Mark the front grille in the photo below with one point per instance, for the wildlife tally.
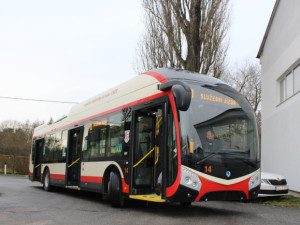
(224, 196)
(278, 182)
(268, 192)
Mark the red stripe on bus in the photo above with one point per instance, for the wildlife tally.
(173, 188)
(104, 113)
(91, 179)
(58, 176)
(157, 76)
(209, 186)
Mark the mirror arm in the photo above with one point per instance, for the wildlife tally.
(168, 85)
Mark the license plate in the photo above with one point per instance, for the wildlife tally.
(280, 188)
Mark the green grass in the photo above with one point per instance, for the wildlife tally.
(13, 174)
(283, 201)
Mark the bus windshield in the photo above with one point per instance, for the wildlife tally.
(219, 132)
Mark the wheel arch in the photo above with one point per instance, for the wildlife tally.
(106, 176)
(44, 171)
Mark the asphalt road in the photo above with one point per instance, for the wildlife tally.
(23, 202)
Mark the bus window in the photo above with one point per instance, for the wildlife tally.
(95, 139)
(116, 134)
(57, 147)
(64, 142)
(102, 144)
(48, 149)
(94, 143)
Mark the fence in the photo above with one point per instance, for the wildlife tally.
(15, 164)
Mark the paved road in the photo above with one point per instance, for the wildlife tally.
(23, 202)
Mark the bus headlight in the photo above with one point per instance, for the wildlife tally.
(189, 179)
(254, 181)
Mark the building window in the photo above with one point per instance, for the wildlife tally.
(290, 84)
(297, 79)
(282, 90)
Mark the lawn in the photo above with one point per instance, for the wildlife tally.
(283, 201)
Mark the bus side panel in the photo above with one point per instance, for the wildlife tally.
(57, 173)
(92, 174)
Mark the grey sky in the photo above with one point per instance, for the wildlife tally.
(71, 50)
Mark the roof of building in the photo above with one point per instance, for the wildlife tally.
(262, 45)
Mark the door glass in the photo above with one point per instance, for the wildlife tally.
(38, 158)
(147, 162)
(172, 152)
(145, 143)
(74, 157)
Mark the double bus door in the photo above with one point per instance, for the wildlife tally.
(148, 151)
(74, 157)
(39, 146)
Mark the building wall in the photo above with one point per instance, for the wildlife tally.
(281, 121)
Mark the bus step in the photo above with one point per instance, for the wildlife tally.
(150, 197)
(73, 187)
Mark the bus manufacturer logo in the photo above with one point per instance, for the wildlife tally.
(126, 138)
(228, 174)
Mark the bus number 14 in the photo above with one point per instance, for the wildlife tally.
(207, 169)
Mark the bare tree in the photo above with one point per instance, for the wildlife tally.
(15, 141)
(51, 121)
(187, 34)
(246, 78)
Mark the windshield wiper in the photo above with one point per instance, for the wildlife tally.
(205, 158)
(248, 162)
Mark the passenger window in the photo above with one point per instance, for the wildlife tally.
(116, 135)
(95, 139)
(49, 149)
(58, 147)
(102, 143)
(64, 142)
(104, 137)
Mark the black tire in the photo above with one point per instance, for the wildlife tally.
(46, 181)
(185, 204)
(115, 190)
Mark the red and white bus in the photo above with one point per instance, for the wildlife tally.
(166, 135)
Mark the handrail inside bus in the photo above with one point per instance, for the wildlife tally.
(144, 157)
(73, 162)
(37, 166)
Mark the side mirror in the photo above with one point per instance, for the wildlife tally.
(182, 97)
(181, 91)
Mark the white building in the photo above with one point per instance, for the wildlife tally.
(279, 56)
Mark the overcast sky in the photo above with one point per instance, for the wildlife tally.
(71, 50)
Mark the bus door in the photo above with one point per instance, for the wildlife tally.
(73, 159)
(148, 151)
(39, 146)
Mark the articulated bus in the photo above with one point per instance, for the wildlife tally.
(167, 135)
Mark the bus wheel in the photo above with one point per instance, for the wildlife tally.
(46, 181)
(115, 190)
